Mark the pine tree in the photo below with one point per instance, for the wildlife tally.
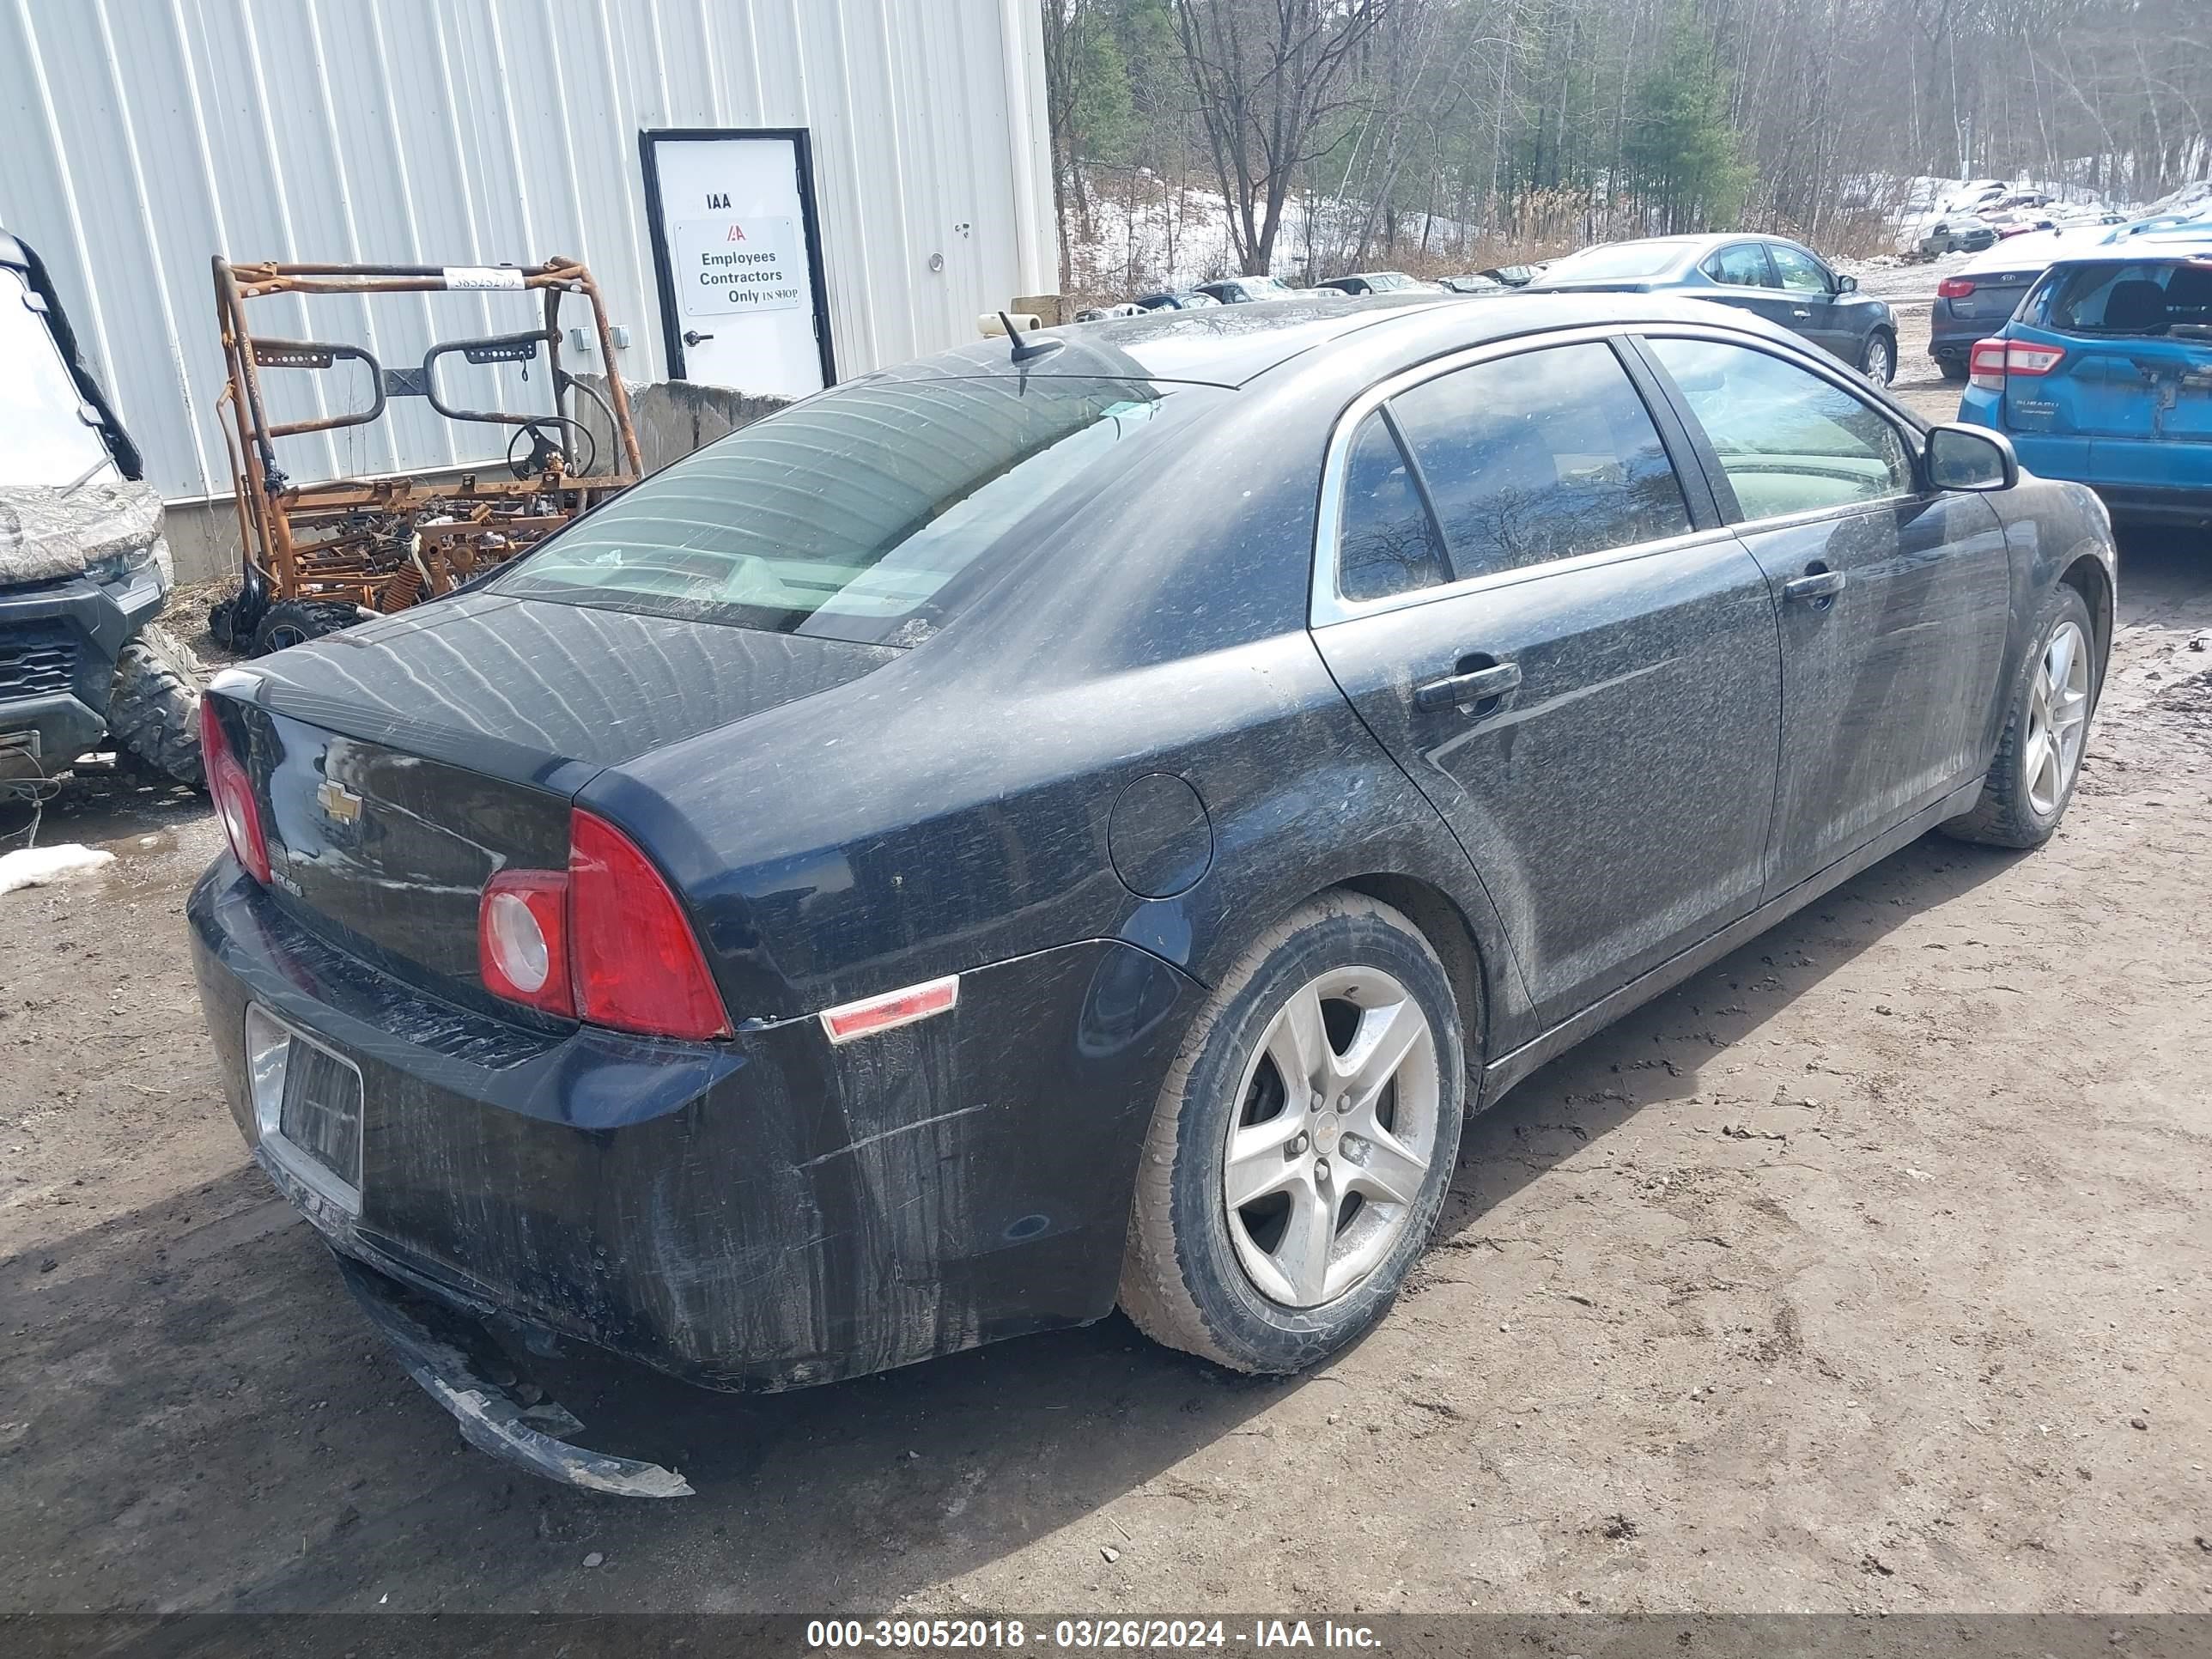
(1681, 153)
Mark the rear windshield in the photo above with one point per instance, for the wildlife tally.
(862, 514)
(1629, 259)
(2139, 296)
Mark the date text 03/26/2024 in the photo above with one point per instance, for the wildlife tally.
(1085, 1635)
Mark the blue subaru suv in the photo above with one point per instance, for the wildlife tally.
(2104, 375)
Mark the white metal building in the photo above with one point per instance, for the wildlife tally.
(898, 149)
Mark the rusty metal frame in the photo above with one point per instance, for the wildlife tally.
(371, 542)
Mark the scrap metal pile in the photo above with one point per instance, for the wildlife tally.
(320, 556)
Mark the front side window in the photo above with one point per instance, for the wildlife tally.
(1743, 265)
(1800, 271)
(866, 513)
(1540, 456)
(44, 438)
(1788, 440)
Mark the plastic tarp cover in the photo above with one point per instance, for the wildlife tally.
(47, 534)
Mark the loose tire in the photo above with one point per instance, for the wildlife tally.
(2048, 708)
(153, 706)
(1337, 1187)
(294, 622)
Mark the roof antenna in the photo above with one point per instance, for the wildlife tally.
(1027, 351)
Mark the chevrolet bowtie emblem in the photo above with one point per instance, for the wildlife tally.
(339, 802)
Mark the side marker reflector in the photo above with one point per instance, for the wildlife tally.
(894, 1008)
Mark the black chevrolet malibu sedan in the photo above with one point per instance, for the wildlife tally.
(1004, 839)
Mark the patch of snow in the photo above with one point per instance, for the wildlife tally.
(35, 867)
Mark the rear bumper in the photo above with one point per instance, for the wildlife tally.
(2115, 468)
(1952, 338)
(2147, 504)
(763, 1214)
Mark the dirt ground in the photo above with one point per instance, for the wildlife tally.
(1868, 1271)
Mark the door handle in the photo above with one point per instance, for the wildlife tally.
(1800, 311)
(1463, 691)
(1815, 586)
(692, 337)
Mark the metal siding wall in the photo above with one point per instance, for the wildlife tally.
(137, 138)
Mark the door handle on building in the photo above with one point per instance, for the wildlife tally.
(692, 337)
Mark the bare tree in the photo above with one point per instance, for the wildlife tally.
(1268, 75)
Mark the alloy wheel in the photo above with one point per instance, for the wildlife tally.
(1880, 367)
(2057, 719)
(1336, 1128)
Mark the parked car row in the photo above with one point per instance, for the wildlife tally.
(1358, 284)
(2102, 374)
(2111, 390)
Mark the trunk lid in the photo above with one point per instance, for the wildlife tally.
(400, 764)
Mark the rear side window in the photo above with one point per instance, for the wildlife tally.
(2145, 297)
(1788, 440)
(1540, 456)
(1389, 542)
(864, 514)
(1743, 265)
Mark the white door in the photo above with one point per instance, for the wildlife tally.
(740, 297)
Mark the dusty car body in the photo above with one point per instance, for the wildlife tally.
(960, 884)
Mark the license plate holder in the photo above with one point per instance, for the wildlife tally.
(307, 1105)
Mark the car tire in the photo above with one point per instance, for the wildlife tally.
(154, 704)
(1199, 1274)
(1955, 369)
(1878, 358)
(294, 622)
(2047, 718)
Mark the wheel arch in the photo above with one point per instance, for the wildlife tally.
(2087, 576)
(1452, 937)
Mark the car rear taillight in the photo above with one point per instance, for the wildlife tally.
(522, 940)
(636, 962)
(1995, 361)
(1986, 368)
(232, 792)
(604, 941)
(1955, 288)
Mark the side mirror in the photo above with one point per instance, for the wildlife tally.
(1970, 458)
(1847, 285)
